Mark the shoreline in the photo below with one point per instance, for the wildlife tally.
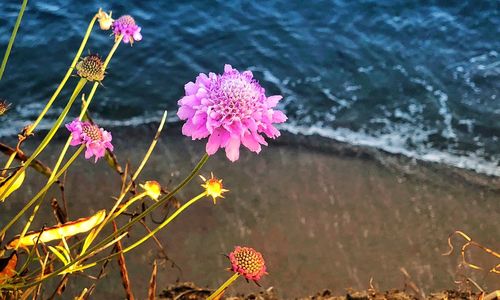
(323, 213)
(319, 143)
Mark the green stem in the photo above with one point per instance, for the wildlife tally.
(160, 227)
(146, 237)
(49, 135)
(160, 202)
(224, 286)
(42, 191)
(111, 215)
(68, 74)
(12, 38)
(108, 239)
(52, 132)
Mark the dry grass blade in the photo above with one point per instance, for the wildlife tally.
(152, 282)
(36, 164)
(123, 267)
(471, 243)
(409, 283)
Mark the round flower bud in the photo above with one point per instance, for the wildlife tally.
(91, 68)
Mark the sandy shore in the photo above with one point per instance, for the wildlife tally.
(324, 215)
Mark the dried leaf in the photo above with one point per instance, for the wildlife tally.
(59, 231)
(152, 282)
(8, 267)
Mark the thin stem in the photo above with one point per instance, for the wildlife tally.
(68, 74)
(49, 135)
(108, 239)
(84, 109)
(42, 191)
(12, 38)
(165, 223)
(42, 145)
(8, 163)
(224, 286)
(111, 215)
(121, 230)
(153, 232)
(160, 202)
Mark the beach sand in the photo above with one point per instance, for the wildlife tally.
(324, 214)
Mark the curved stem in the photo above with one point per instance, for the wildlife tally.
(165, 223)
(108, 239)
(223, 286)
(12, 37)
(77, 90)
(51, 133)
(42, 191)
(111, 215)
(153, 232)
(121, 230)
(160, 202)
(68, 74)
(7, 164)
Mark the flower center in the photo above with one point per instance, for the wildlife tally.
(126, 20)
(91, 68)
(92, 131)
(249, 261)
(235, 97)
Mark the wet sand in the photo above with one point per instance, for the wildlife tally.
(324, 215)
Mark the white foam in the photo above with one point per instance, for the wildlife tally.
(394, 142)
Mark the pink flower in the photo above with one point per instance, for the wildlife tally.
(230, 109)
(247, 262)
(125, 25)
(96, 139)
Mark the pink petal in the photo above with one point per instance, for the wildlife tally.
(200, 117)
(203, 79)
(217, 139)
(185, 112)
(279, 117)
(188, 128)
(248, 74)
(88, 153)
(272, 101)
(235, 128)
(75, 139)
(259, 138)
(189, 100)
(228, 68)
(250, 124)
(250, 142)
(233, 149)
(190, 88)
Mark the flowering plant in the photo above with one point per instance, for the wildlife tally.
(230, 109)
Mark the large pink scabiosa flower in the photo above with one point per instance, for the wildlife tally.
(248, 263)
(230, 109)
(96, 139)
(125, 25)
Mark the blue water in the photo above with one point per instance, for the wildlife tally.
(421, 80)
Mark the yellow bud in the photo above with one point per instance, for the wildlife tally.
(152, 188)
(105, 20)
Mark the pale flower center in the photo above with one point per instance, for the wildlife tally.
(236, 98)
(92, 131)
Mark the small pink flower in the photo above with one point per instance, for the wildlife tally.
(125, 25)
(230, 109)
(96, 139)
(247, 262)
